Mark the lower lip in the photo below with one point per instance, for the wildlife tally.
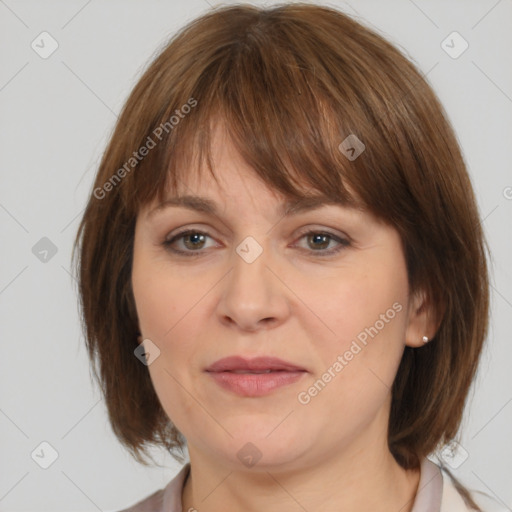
(255, 384)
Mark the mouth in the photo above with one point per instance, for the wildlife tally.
(239, 364)
(254, 377)
(253, 372)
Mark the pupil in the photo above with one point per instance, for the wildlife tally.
(316, 237)
(194, 238)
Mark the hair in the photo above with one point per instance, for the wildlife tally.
(290, 83)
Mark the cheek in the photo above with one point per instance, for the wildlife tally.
(168, 306)
(357, 369)
(157, 306)
(169, 319)
(165, 308)
(366, 316)
(164, 299)
(363, 305)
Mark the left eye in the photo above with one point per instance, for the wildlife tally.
(194, 241)
(321, 240)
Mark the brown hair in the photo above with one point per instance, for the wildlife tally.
(291, 83)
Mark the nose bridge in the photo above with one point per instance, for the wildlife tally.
(250, 274)
(251, 292)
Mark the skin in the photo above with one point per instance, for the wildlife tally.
(331, 453)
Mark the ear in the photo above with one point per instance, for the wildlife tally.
(422, 320)
(139, 338)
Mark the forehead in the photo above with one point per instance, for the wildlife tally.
(208, 179)
(237, 183)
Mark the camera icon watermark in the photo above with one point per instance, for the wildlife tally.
(249, 455)
(44, 455)
(249, 249)
(507, 193)
(352, 147)
(147, 352)
(454, 454)
(454, 45)
(44, 250)
(44, 45)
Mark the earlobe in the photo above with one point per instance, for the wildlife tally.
(422, 325)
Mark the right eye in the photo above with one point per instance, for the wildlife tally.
(192, 239)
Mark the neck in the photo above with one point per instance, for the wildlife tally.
(354, 481)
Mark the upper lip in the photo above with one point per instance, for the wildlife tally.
(234, 363)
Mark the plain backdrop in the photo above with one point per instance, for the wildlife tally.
(56, 114)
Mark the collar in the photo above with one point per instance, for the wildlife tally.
(429, 496)
(430, 488)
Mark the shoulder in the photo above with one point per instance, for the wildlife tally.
(152, 503)
(453, 501)
(163, 500)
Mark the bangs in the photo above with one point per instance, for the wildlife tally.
(282, 116)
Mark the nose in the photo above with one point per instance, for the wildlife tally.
(253, 296)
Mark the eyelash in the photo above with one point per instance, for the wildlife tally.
(343, 243)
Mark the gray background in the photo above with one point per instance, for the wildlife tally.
(56, 115)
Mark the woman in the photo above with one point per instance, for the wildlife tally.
(282, 269)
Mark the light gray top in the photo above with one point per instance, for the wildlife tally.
(436, 493)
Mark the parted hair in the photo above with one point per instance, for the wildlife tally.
(291, 83)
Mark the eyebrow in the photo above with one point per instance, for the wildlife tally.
(289, 207)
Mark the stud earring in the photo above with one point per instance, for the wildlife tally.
(425, 339)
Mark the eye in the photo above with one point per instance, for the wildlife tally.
(320, 240)
(194, 241)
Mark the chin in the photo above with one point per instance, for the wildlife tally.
(260, 446)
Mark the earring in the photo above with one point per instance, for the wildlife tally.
(425, 339)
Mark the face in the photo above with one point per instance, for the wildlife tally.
(324, 290)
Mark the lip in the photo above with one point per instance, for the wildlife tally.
(227, 373)
(238, 363)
